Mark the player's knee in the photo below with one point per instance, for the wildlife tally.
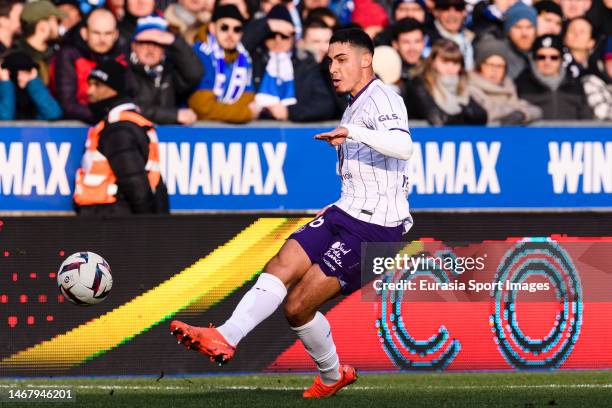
(275, 266)
(282, 269)
(297, 312)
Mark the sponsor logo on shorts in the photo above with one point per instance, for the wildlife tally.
(332, 267)
(336, 251)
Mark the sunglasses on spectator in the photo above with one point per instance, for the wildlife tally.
(281, 35)
(448, 6)
(541, 57)
(236, 29)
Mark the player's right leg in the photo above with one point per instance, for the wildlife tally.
(282, 271)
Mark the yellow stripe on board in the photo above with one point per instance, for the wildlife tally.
(253, 260)
(206, 282)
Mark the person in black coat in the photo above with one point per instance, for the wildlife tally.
(163, 69)
(95, 41)
(439, 93)
(126, 145)
(310, 98)
(547, 84)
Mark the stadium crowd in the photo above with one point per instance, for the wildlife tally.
(453, 61)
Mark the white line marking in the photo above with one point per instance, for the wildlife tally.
(295, 388)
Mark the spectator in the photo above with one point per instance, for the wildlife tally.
(550, 17)
(134, 9)
(494, 91)
(40, 29)
(96, 42)
(598, 88)
(225, 92)
(120, 173)
(371, 16)
(308, 5)
(488, 18)
(520, 29)
(401, 9)
(10, 25)
(288, 84)
(163, 67)
(324, 14)
(409, 41)
(117, 7)
(22, 93)
(71, 15)
(248, 7)
(440, 93)
(574, 8)
(449, 23)
(580, 41)
(266, 6)
(600, 15)
(316, 39)
(186, 16)
(409, 8)
(545, 83)
(316, 36)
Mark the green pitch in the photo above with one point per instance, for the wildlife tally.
(525, 390)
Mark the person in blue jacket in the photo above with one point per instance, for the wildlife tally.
(23, 95)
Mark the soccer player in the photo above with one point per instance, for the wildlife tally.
(322, 259)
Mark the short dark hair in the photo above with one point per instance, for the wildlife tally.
(313, 23)
(6, 6)
(321, 12)
(355, 37)
(406, 25)
(28, 29)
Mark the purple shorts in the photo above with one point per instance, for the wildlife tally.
(333, 241)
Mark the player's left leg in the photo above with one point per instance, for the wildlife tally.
(301, 310)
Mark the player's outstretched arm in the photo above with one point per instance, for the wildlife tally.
(395, 143)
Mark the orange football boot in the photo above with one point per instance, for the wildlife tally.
(206, 340)
(348, 375)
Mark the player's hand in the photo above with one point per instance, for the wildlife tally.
(156, 36)
(335, 137)
(186, 116)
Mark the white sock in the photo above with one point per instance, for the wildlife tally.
(317, 339)
(255, 306)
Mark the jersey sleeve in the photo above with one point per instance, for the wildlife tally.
(385, 112)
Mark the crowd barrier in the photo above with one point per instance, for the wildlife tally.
(196, 267)
(282, 168)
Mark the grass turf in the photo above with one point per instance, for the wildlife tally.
(544, 389)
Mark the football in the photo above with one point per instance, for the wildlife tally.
(85, 278)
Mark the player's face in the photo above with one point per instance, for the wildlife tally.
(346, 65)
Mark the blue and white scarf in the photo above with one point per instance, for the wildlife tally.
(228, 90)
(277, 84)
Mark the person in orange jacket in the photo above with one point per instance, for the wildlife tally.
(120, 172)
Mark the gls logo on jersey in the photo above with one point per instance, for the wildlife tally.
(387, 116)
